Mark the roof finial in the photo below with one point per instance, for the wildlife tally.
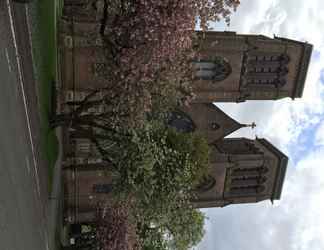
(252, 125)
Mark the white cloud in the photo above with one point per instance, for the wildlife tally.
(291, 224)
(319, 135)
(295, 19)
(283, 121)
(295, 222)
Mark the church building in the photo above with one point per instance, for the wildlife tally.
(232, 68)
(241, 170)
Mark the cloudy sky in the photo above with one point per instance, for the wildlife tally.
(296, 222)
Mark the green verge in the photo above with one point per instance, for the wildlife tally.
(44, 40)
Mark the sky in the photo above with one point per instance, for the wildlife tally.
(295, 127)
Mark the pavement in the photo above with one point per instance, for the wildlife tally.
(28, 215)
(55, 203)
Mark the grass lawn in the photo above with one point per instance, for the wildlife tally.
(43, 19)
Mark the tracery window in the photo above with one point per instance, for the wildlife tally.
(247, 181)
(250, 171)
(181, 122)
(237, 146)
(248, 190)
(206, 184)
(267, 69)
(217, 69)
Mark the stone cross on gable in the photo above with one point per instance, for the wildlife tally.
(252, 125)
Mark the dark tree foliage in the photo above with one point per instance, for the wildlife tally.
(157, 168)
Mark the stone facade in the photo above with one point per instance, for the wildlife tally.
(242, 171)
(255, 67)
(232, 68)
(84, 187)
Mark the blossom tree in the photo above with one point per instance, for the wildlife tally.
(115, 230)
(151, 42)
(149, 51)
(149, 48)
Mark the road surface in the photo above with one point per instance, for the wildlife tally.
(23, 174)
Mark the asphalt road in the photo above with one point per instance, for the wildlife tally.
(23, 176)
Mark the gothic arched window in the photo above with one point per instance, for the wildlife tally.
(206, 184)
(242, 181)
(267, 69)
(249, 171)
(181, 122)
(217, 69)
(246, 191)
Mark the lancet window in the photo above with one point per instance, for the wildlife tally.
(250, 171)
(216, 69)
(237, 147)
(247, 181)
(266, 69)
(248, 190)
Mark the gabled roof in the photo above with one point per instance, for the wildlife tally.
(228, 124)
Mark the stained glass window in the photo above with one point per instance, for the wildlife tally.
(181, 122)
(206, 184)
(217, 69)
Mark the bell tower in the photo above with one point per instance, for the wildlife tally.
(242, 171)
(236, 68)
